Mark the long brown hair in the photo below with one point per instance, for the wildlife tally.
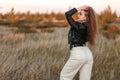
(92, 26)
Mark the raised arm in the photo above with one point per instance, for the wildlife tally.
(69, 18)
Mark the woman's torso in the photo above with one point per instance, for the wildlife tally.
(78, 36)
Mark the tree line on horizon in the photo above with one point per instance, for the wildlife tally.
(107, 19)
(10, 18)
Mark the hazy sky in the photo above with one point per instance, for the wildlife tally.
(56, 5)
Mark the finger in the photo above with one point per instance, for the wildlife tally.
(84, 7)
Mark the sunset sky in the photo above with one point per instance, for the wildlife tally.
(56, 5)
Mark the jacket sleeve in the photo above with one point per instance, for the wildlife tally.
(69, 18)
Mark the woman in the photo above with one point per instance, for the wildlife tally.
(82, 31)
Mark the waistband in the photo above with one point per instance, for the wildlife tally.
(77, 45)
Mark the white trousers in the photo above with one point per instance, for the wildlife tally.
(81, 59)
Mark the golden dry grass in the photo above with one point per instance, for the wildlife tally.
(41, 56)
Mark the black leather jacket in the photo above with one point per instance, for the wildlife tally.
(78, 32)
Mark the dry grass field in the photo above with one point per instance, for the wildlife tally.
(41, 56)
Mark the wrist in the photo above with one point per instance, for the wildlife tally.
(77, 9)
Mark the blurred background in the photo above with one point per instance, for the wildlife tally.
(34, 39)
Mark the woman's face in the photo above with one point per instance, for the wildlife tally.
(82, 16)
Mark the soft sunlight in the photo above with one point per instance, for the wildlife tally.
(55, 5)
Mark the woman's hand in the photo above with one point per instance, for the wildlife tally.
(85, 7)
